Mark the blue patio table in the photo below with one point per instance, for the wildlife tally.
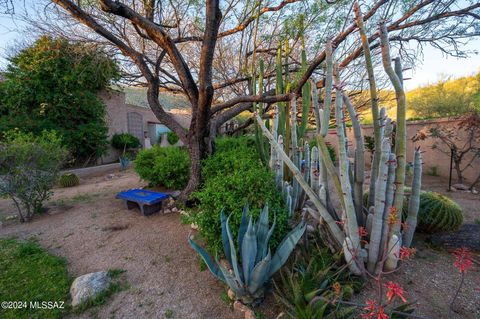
(149, 202)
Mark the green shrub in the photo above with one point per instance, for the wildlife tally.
(125, 141)
(30, 273)
(164, 166)
(54, 85)
(68, 180)
(235, 176)
(172, 138)
(29, 166)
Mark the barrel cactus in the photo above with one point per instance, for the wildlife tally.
(69, 180)
(438, 213)
(253, 267)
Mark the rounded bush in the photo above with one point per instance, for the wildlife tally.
(172, 138)
(125, 141)
(164, 166)
(69, 180)
(232, 177)
(438, 213)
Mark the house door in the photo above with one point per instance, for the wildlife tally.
(135, 125)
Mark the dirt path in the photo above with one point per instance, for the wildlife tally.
(94, 232)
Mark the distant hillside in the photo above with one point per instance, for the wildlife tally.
(138, 96)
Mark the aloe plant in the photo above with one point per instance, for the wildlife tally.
(252, 265)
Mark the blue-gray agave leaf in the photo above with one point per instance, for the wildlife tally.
(249, 251)
(226, 243)
(265, 247)
(243, 227)
(232, 282)
(212, 265)
(233, 253)
(262, 232)
(286, 247)
(259, 274)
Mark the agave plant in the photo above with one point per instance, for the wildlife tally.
(253, 267)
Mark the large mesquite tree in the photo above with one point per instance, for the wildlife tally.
(206, 49)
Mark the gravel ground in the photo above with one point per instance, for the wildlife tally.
(94, 232)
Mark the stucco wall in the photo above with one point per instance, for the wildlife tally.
(116, 117)
(431, 157)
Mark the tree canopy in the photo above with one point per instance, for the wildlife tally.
(53, 85)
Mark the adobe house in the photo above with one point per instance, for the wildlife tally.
(128, 112)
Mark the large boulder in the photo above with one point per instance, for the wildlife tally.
(89, 286)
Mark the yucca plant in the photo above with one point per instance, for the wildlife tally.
(252, 268)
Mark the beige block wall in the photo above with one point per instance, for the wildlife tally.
(116, 117)
(431, 157)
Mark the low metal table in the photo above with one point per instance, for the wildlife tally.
(149, 202)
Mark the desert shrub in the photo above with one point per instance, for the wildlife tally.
(54, 85)
(331, 150)
(172, 138)
(29, 166)
(68, 180)
(438, 213)
(164, 166)
(124, 141)
(234, 176)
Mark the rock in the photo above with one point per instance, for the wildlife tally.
(247, 312)
(460, 187)
(89, 286)
(250, 314)
(194, 226)
(175, 210)
(167, 211)
(231, 294)
(467, 236)
(474, 191)
(281, 315)
(175, 194)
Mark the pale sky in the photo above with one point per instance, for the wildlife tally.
(433, 67)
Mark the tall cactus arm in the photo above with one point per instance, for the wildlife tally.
(316, 107)
(328, 89)
(359, 175)
(373, 100)
(306, 99)
(414, 201)
(393, 252)
(329, 167)
(332, 225)
(378, 221)
(280, 89)
(390, 193)
(350, 216)
(400, 136)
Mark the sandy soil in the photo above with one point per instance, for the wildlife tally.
(94, 232)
